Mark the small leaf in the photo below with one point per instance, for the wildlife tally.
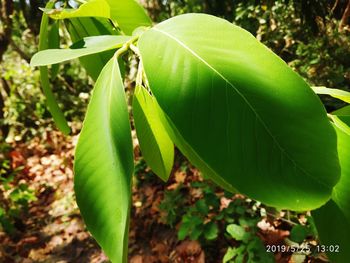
(92, 8)
(335, 93)
(51, 102)
(84, 47)
(237, 232)
(211, 231)
(104, 165)
(155, 144)
(230, 254)
(298, 233)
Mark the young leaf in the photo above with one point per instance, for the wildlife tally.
(92, 8)
(239, 113)
(335, 93)
(104, 165)
(51, 102)
(84, 47)
(155, 143)
(333, 219)
(237, 232)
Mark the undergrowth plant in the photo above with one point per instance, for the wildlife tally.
(245, 119)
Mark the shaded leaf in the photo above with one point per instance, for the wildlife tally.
(155, 143)
(237, 232)
(51, 102)
(333, 219)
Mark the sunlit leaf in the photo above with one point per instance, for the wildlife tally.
(96, 8)
(335, 93)
(155, 143)
(84, 47)
(239, 113)
(104, 165)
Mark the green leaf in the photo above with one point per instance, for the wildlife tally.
(333, 219)
(79, 28)
(128, 15)
(239, 113)
(237, 232)
(343, 114)
(86, 46)
(298, 233)
(104, 165)
(155, 144)
(211, 231)
(335, 93)
(51, 102)
(340, 124)
(54, 42)
(230, 254)
(92, 8)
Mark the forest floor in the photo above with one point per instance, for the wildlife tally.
(51, 230)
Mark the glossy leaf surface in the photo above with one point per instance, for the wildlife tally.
(51, 102)
(156, 145)
(333, 219)
(84, 47)
(104, 164)
(239, 113)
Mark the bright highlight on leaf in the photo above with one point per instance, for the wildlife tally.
(335, 93)
(84, 47)
(239, 113)
(156, 145)
(96, 8)
(104, 165)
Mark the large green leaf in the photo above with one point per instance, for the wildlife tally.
(96, 8)
(81, 27)
(239, 113)
(104, 164)
(333, 219)
(335, 93)
(51, 102)
(155, 144)
(84, 47)
(128, 14)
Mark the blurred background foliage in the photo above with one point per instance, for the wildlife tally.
(312, 36)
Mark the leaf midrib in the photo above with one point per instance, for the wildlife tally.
(244, 98)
